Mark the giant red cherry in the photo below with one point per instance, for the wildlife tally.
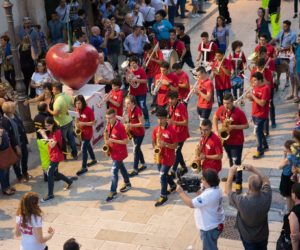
(74, 68)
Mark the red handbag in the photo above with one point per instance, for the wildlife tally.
(8, 157)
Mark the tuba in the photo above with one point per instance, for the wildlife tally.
(224, 131)
(196, 163)
(157, 149)
(105, 147)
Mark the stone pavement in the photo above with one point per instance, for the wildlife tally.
(131, 221)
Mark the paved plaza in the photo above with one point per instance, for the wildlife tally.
(131, 221)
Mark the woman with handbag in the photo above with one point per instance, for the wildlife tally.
(221, 34)
(5, 148)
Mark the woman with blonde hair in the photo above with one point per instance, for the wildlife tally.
(29, 224)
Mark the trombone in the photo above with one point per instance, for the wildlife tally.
(151, 55)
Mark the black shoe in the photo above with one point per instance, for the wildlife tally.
(295, 16)
(126, 187)
(45, 177)
(111, 196)
(47, 198)
(68, 185)
(182, 17)
(172, 189)
(133, 173)
(266, 148)
(141, 168)
(172, 174)
(201, 11)
(81, 171)
(228, 21)
(75, 157)
(92, 163)
(183, 170)
(160, 201)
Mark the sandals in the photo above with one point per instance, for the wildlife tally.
(8, 192)
(290, 97)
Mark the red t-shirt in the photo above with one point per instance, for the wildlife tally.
(271, 65)
(178, 46)
(222, 81)
(167, 135)
(87, 115)
(270, 49)
(261, 92)
(237, 61)
(118, 152)
(162, 93)
(134, 119)
(211, 146)
(179, 114)
(56, 154)
(205, 86)
(267, 76)
(183, 78)
(154, 68)
(117, 95)
(237, 117)
(210, 56)
(142, 88)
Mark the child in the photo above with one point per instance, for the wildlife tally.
(116, 97)
(286, 166)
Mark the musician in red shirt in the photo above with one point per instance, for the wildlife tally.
(115, 100)
(183, 81)
(164, 137)
(210, 152)
(116, 139)
(85, 123)
(262, 42)
(135, 126)
(138, 86)
(260, 98)
(221, 72)
(178, 118)
(238, 66)
(164, 82)
(205, 93)
(206, 50)
(234, 144)
(177, 45)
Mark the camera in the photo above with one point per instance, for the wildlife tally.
(189, 183)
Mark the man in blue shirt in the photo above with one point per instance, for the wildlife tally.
(162, 26)
(286, 37)
(56, 29)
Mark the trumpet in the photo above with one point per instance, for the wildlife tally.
(196, 163)
(186, 100)
(157, 87)
(157, 149)
(242, 96)
(224, 131)
(104, 99)
(105, 147)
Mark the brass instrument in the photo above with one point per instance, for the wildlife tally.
(104, 99)
(77, 130)
(130, 77)
(151, 55)
(105, 147)
(157, 149)
(157, 87)
(224, 131)
(186, 100)
(196, 164)
(126, 120)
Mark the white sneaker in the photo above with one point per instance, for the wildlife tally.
(197, 15)
(193, 15)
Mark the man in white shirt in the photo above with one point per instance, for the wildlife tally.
(148, 13)
(209, 213)
(157, 5)
(104, 73)
(138, 18)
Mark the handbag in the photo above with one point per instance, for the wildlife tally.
(284, 241)
(8, 157)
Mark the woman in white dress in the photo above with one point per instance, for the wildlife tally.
(40, 77)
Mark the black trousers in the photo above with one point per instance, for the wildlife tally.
(223, 9)
(296, 6)
(234, 153)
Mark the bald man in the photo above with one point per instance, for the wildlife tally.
(253, 207)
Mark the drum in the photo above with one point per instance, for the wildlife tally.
(236, 82)
(170, 56)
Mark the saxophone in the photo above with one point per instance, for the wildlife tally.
(127, 121)
(157, 149)
(196, 163)
(224, 131)
(77, 130)
(105, 147)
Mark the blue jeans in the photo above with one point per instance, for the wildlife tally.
(234, 153)
(118, 165)
(22, 163)
(220, 95)
(53, 171)
(210, 238)
(255, 246)
(68, 135)
(165, 179)
(260, 136)
(87, 148)
(223, 47)
(138, 154)
(4, 178)
(172, 13)
(141, 101)
(181, 4)
(179, 157)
